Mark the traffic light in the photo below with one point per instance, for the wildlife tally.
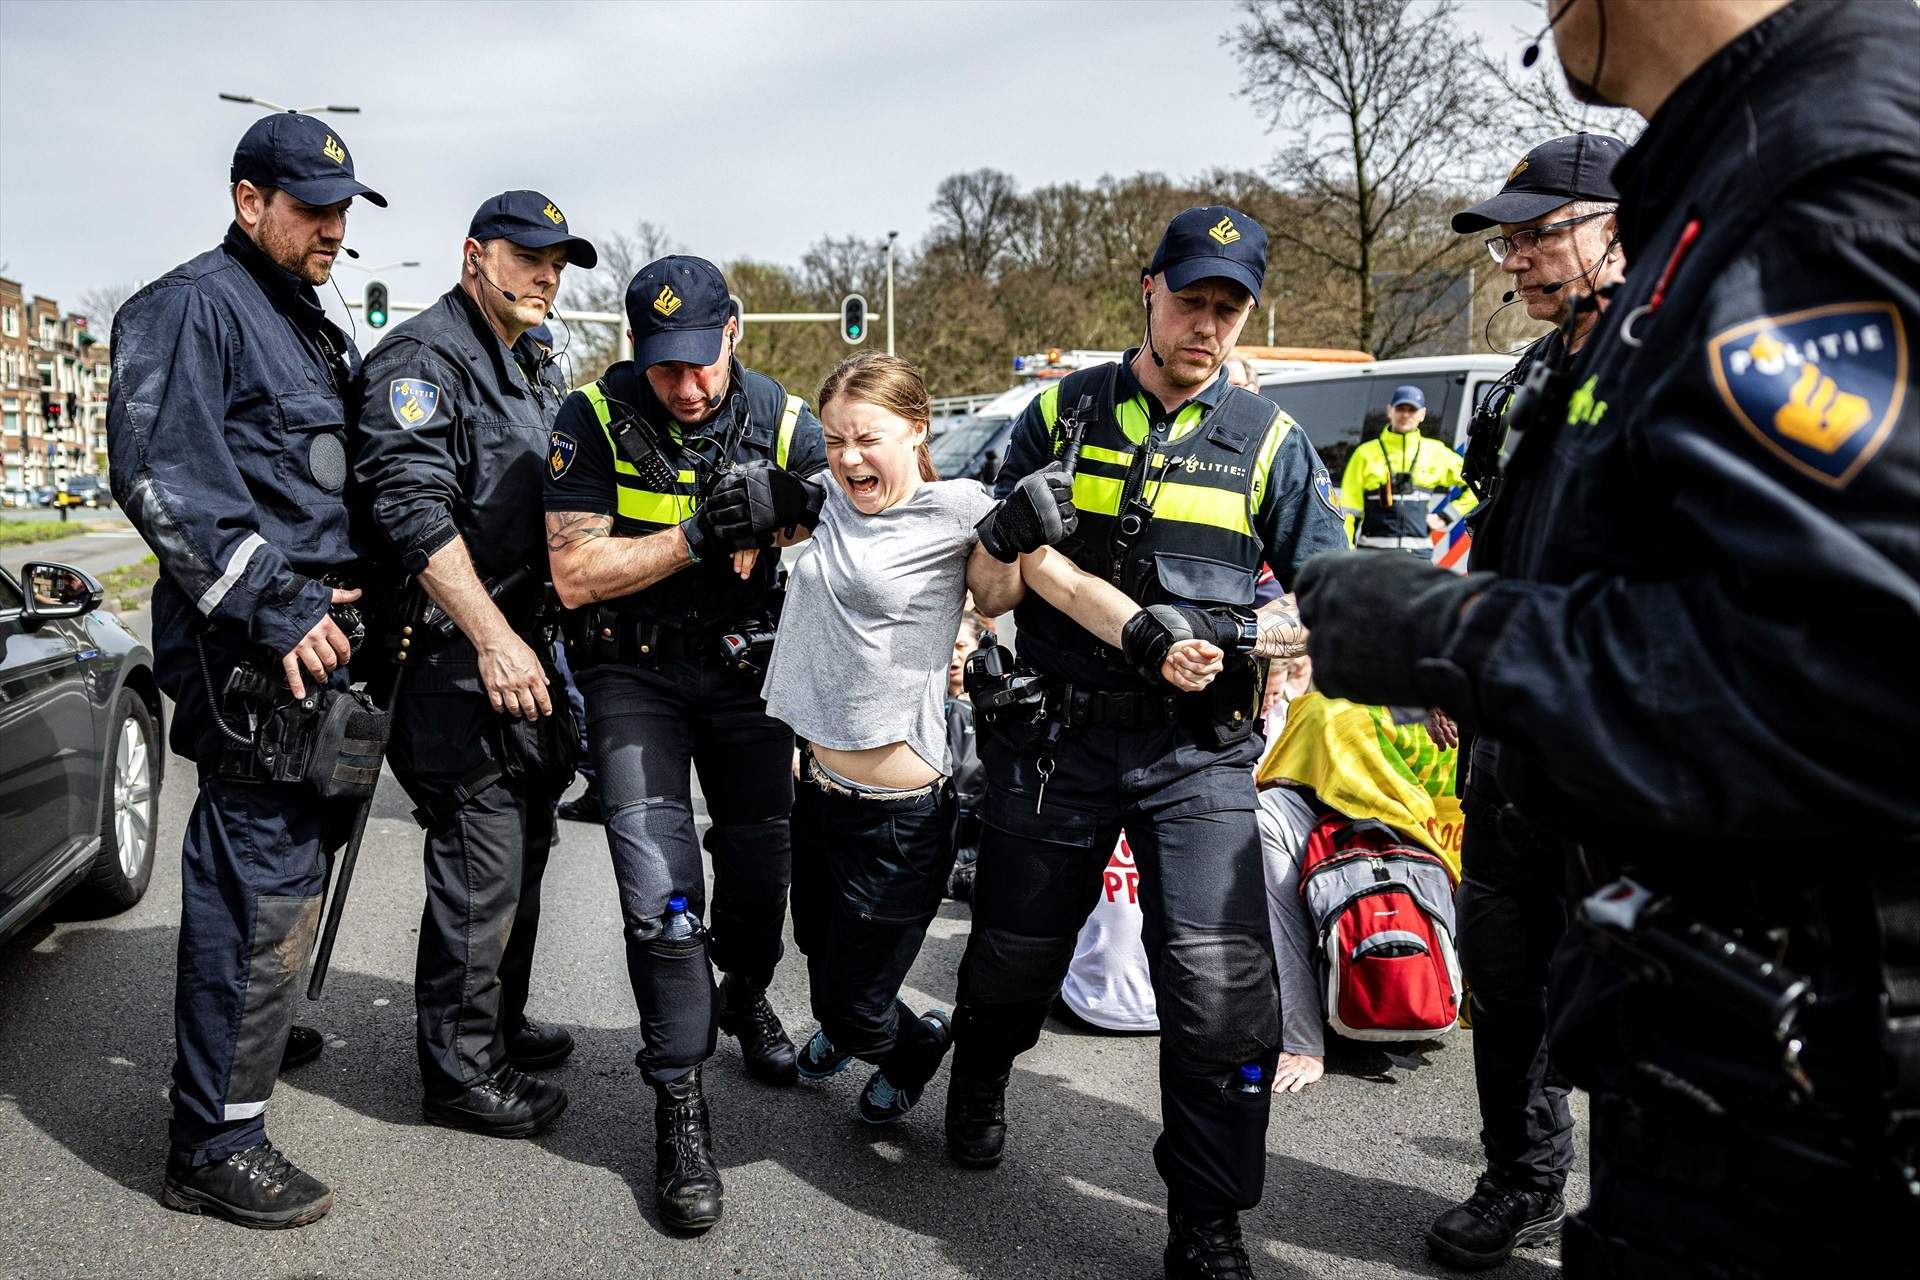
(853, 319)
(377, 304)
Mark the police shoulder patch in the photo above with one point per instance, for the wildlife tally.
(1821, 389)
(413, 401)
(1323, 489)
(560, 453)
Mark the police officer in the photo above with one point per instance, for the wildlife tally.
(1695, 654)
(658, 473)
(226, 428)
(1184, 486)
(1397, 490)
(450, 451)
(1554, 218)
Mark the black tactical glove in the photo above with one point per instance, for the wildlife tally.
(703, 539)
(754, 502)
(1039, 513)
(1148, 634)
(1378, 622)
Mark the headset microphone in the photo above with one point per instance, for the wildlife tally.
(351, 253)
(1532, 54)
(473, 260)
(1147, 302)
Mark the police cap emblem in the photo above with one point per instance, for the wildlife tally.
(1821, 389)
(412, 401)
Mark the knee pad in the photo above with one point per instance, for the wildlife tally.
(1219, 1002)
(1013, 968)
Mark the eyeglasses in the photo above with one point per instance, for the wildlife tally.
(1529, 240)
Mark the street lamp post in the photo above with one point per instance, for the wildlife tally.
(249, 100)
(891, 237)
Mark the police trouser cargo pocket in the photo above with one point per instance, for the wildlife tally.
(869, 873)
(252, 875)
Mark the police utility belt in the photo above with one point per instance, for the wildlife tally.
(1022, 707)
(598, 634)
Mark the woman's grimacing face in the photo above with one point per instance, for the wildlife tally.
(871, 452)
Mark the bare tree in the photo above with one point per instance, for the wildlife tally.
(605, 289)
(1391, 109)
(834, 268)
(100, 305)
(975, 215)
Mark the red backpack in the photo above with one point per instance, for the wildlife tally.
(1384, 909)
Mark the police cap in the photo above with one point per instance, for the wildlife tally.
(678, 309)
(532, 221)
(1558, 171)
(1212, 241)
(302, 157)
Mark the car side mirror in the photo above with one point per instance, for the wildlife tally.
(59, 591)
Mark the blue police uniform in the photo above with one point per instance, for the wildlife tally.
(226, 432)
(1696, 660)
(451, 441)
(1173, 507)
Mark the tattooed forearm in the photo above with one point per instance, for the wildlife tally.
(1282, 634)
(564, 528)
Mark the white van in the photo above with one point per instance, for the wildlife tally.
(1342, 405)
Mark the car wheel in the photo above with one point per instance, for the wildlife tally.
(132, 810)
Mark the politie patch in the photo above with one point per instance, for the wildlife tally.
(560, 454)
(1323, 487)
(1821, 388)
(413, 402)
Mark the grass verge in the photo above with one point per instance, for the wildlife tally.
(129, 586)
(19, 533)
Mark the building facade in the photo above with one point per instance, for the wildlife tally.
(53, 392)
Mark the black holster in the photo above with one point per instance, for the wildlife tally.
(332, 740)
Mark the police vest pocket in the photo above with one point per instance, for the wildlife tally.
(315, 454)
(1203, 581)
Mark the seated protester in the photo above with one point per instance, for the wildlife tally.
(1334, 756)
(969, 780)
(859, 671)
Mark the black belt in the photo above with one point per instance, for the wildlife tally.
(1104, 709)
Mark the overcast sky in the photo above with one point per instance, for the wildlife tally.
(747, 129)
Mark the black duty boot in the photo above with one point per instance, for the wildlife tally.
(1206, 1248)
(976, 1119)
(534, 1046)
(509, 1105)
(747, 1017)
(1495, 1220)
(584, 807)
(686, 1182)
(257, 1187)
(303, 1046)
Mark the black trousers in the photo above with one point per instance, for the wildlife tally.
(1512, 914)
(646, 726)
(868, 876)
(486, 851)
(1189, 813)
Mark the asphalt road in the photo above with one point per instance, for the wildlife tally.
(1359, 1164)
(113, 544)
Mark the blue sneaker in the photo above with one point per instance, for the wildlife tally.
(820, 1060)
(881, 1102)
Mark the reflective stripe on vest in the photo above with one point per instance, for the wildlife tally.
(784, 440)
(633, 500)
(1180, 484)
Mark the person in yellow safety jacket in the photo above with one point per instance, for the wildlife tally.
(1396, 485)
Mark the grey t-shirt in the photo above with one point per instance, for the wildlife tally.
(873, 604)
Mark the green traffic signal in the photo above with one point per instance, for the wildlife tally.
(376, 304)
(853, 318)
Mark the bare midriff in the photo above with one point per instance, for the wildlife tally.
(896, 766)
